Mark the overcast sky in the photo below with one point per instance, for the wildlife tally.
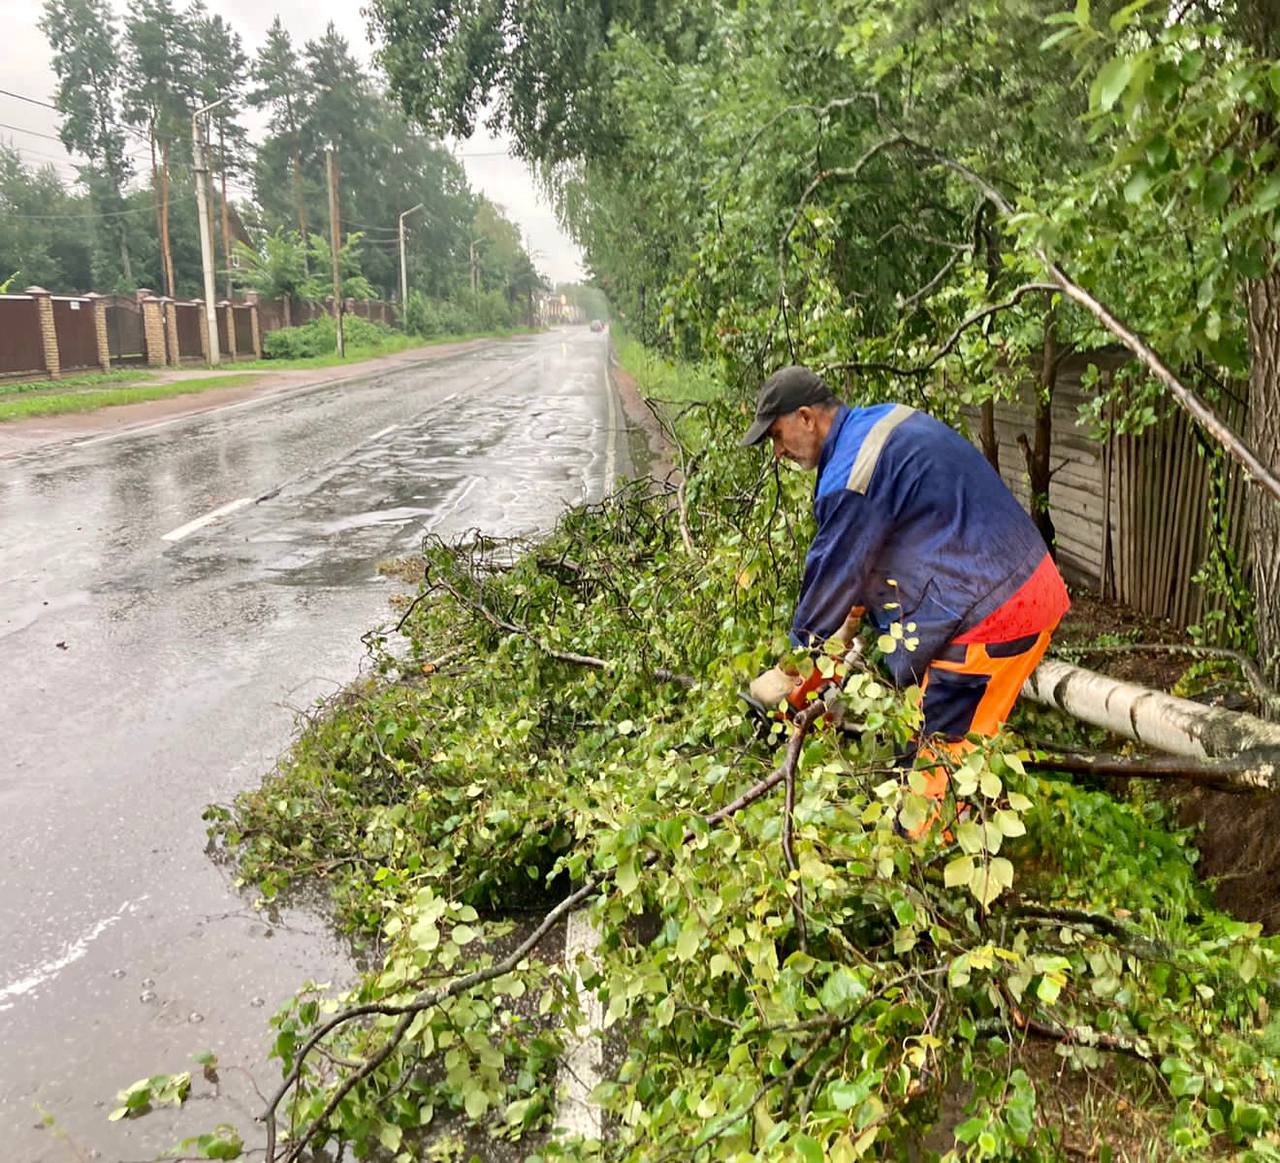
(25, 69)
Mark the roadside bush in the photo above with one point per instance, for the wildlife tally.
(319, 337)
(433, 317)
(492, 311)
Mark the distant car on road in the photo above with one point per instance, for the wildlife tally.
(597, 325)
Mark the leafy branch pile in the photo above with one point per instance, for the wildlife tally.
(783, 976)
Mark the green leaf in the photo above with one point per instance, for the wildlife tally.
(808, 1149)
(1112, 80)
(1136, 188)
(689, 941)
(958, 871)
(1268, 197)
(1216, 192)
(845, 1094)
(425, 935)
(627, 878)
(841, 990)
(969, 836)
(1009, 823)
(390, 1136)
(475, 1103)
(1124, 17)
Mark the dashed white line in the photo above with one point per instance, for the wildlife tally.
(200, 522)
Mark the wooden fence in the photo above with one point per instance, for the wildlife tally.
(1131, 513)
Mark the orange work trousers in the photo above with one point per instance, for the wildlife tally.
(970, 688)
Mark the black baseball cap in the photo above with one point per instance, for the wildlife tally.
(784, 392)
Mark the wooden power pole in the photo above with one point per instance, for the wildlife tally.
(331, 168)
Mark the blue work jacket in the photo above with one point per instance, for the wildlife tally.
(916, 527)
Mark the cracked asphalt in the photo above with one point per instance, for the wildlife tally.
(171, 597)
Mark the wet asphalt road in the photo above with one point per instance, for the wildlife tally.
(142, 678)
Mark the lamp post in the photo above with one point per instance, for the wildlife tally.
(199, 170)
(404, 277)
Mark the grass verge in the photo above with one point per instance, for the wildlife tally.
(89, 380)
(391, 346)
(61, 402)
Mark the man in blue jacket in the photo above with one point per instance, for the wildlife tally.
(914, 528)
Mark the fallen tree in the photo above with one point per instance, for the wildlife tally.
(782, 974)
(1238, 752)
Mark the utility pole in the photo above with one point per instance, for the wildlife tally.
(475, 270)
(331, 168)
(404, 276)
(200, 173)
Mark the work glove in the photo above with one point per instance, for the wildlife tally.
(773, 686)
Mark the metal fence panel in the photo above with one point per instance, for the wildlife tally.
(244, 330)
(190, 318)
(77, 333)
(126, 340)
(270, 315)
(21, 349)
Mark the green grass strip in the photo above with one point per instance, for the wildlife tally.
(61, 402)
(87, 380)
(392, 346)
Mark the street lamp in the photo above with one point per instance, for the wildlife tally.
(404, 277)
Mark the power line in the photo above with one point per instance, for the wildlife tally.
(33, 132)
(138, 133)
(24, 150)
(29, 100)
(103, 214)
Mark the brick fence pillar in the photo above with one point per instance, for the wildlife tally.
(171, 329)
(228, 313)
(254, 329)
(48, 330)
(153, 330)
(204, 332)
(98, 305)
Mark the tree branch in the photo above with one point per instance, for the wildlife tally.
(406, 1013)
(1246, 774)
(1146, 355)
(921, 369)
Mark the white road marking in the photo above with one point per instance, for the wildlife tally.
(208, 519)
(579, 1072)
(384, 431)
(73, 952)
